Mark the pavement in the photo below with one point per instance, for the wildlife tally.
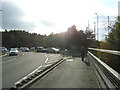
(72, 73)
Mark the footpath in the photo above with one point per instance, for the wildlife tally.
(72, 73)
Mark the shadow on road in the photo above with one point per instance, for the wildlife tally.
(86, 62)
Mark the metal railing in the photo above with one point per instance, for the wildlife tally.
(110, 77)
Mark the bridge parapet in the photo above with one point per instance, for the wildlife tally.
(110, 76)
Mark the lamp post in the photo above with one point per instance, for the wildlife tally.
(97, 27)
(108, 24)
(94, 30)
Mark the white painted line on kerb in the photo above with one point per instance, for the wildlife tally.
(34, 70)
(28, 75)
(52, 61)
(47, 65)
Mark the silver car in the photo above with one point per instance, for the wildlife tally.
(13, 51)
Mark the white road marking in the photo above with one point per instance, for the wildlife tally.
(45, 55)
(28, 74)
(69, 60)
(47, 65)
(35, 70)
(52, 61)
(46, 60)
(23, 54)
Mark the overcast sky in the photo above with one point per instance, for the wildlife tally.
(46, 16)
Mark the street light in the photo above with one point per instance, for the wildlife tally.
(108, 24)
(97, 27)
(95, 30)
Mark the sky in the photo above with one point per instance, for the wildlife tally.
(47, 16)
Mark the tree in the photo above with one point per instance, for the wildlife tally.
(113, 39)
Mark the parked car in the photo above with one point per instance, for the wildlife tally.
(25, 49)
(56, 50)
(32, 48)
(40, 49)
(20, 48)
(53, 50)
(45, 49)
(13, 51)
(3, 49)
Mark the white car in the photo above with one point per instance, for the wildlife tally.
(13, 51)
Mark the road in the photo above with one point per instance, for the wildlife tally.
(15, 68)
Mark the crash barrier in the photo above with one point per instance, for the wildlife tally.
(110, 77)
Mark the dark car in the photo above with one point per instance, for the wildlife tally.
(3, 49)
(25, 49)
(40, 49)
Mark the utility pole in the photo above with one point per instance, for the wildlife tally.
(88, 25)
(94, 30)
(97, 27)
(108, 24)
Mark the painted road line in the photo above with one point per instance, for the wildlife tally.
(53, 61)
(70, 60)
(35, 70)
(45, 55)
(28, 74)
(46, 60)
(47, 65)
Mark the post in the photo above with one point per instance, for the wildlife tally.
(88, 25)
(97, 27)
(108, 24)
(94, 30)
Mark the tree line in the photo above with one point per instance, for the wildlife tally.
(22, 38)
(112, 42)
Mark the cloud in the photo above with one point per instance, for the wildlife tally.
(12, 17)
(46, 16)
(47, 23)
